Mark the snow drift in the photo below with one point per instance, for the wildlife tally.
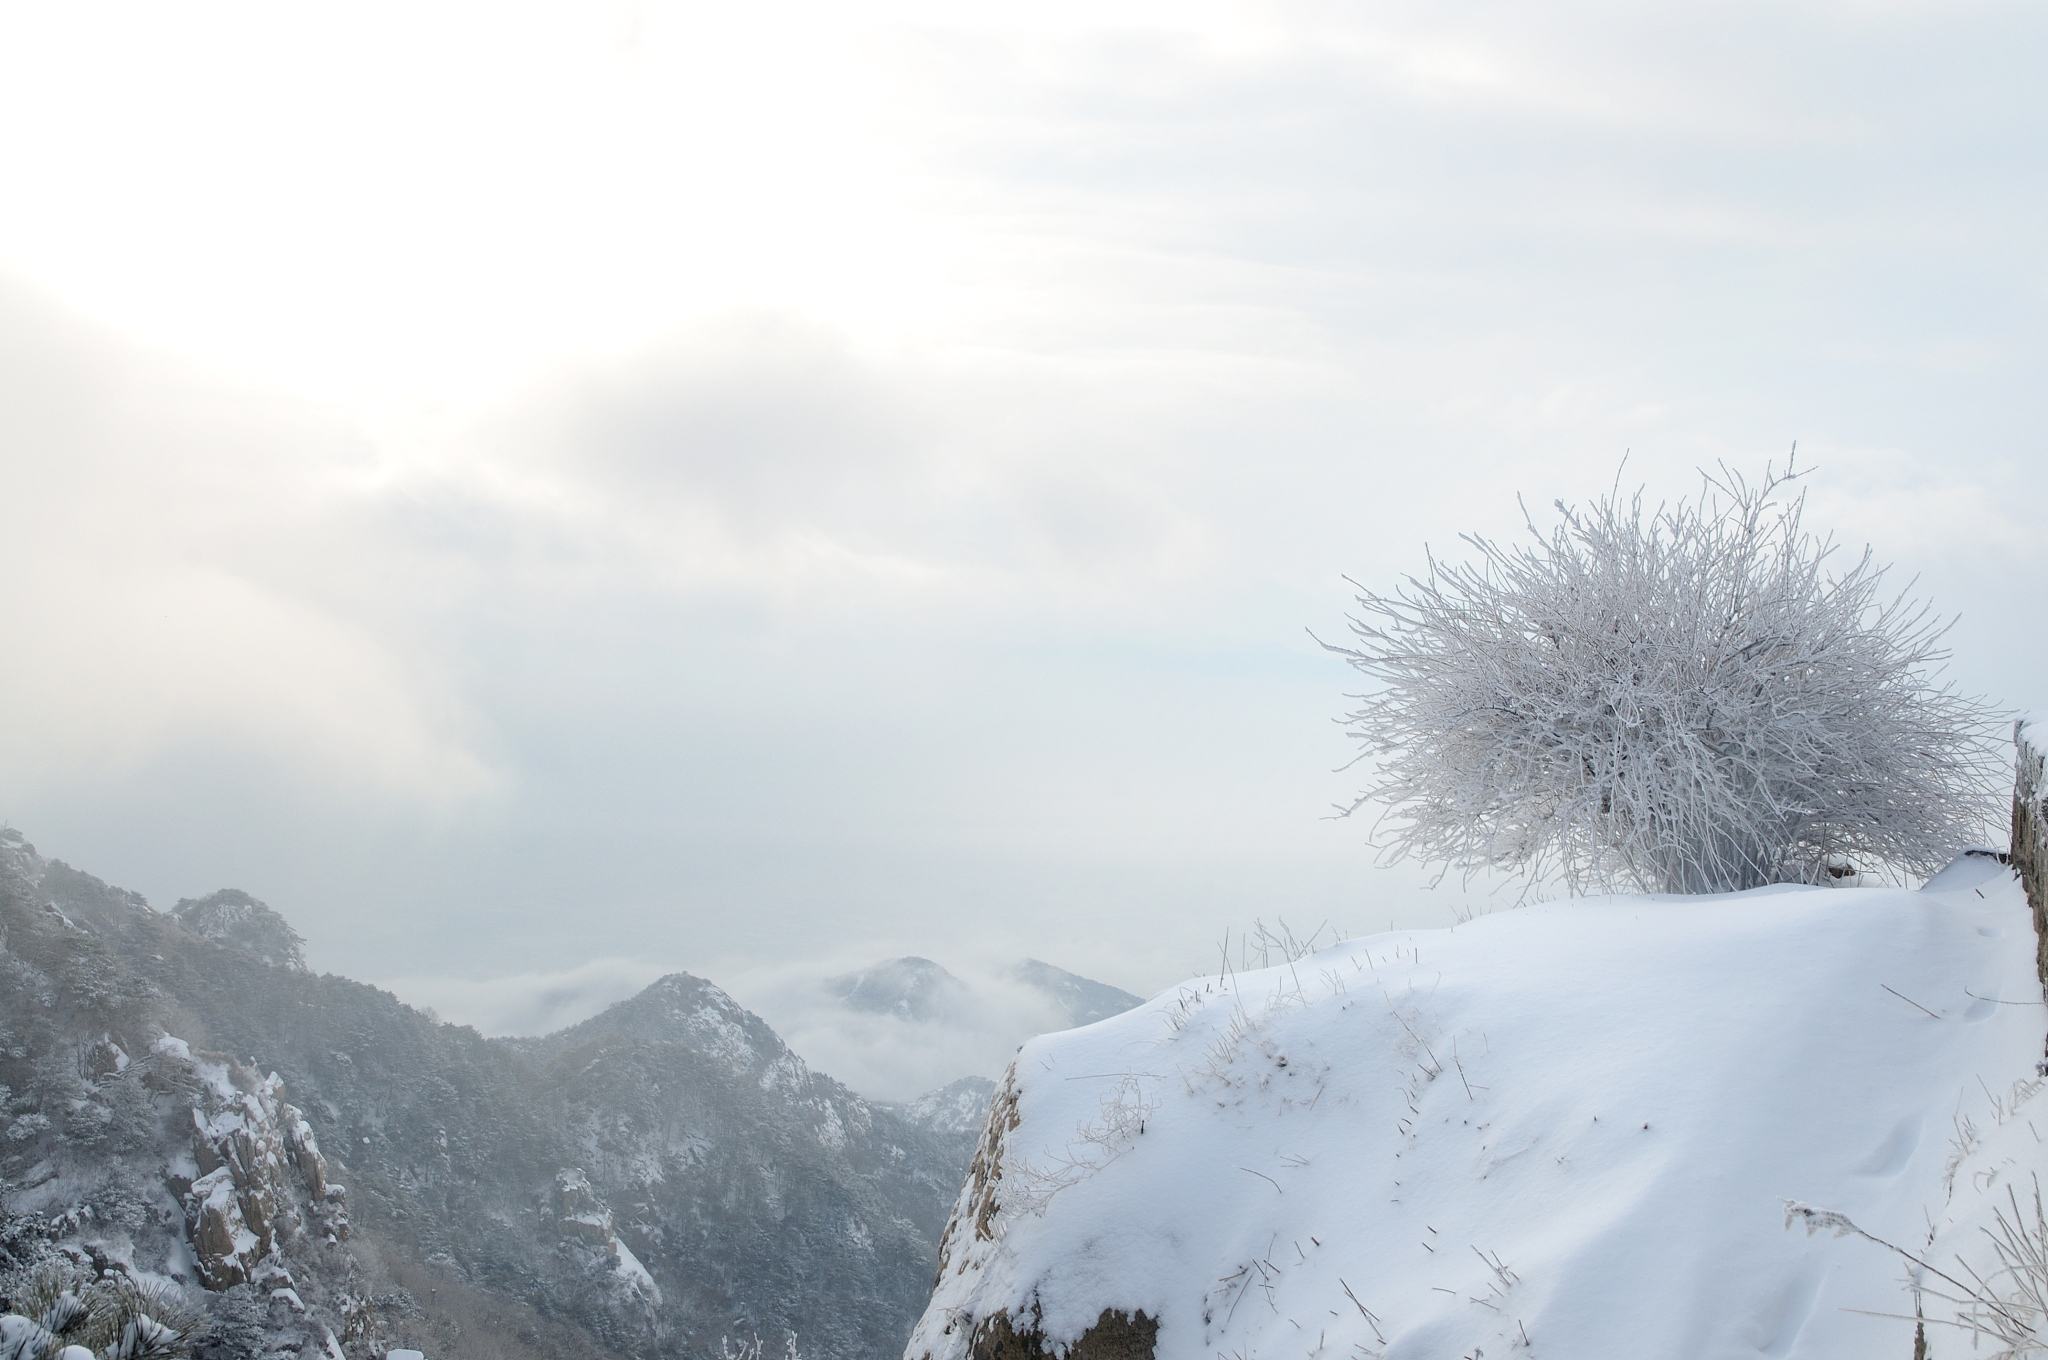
(1568, 1130)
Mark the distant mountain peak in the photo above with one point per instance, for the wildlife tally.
(237, 920)
(957, 1108)
(1083, 999)
(682, 1008)
(908, 988)
(917, 989)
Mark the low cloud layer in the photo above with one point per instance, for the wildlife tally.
(883, 1057)
(888, 1057)
(527, 1004)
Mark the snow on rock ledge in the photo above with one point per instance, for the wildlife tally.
(248, 1147)
(580, 1214)
(1563, 1131)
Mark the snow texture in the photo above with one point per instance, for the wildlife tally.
(1566, 1130)
(1981, 1273)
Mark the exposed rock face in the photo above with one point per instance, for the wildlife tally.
(979, 1199)
(582, 1216)
(578, 1213)
(261, 1175)
(2030, 825)
(1115, 1336)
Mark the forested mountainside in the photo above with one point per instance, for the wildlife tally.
(652, 1182)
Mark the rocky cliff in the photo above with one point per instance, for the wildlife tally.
(184, 1103)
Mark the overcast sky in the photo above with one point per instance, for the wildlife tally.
(595, 489)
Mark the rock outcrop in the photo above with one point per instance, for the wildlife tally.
(261, 1176)
(2030, 824)
(1115, 1336)
(583, 1217)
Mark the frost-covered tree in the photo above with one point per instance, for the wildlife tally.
(1687, 699)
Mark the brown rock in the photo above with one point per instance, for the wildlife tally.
(1116, 1335)
(984, 1176)
(2030, 835)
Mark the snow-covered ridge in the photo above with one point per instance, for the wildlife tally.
(1566, 1130)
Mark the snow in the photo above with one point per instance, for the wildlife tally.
(630, 1270)
(215, 1190)
(214, 1075)
(1696, 697)
(1996, 1185)
(1575, 1123)
(831, 1128)
(956, 1107)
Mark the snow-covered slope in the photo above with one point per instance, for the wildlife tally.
(1983, 1270)
(1568, 1128)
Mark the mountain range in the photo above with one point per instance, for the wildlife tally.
(666, 1178)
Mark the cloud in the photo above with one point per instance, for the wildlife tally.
(737, 482)
(886, 1057)
(764, 458)
(528, 1003)
(167, 536)
(880, 1056)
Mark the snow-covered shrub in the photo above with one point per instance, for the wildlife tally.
(1697, 698)
(113, 1318)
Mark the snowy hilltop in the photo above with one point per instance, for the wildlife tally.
(1570, 1130)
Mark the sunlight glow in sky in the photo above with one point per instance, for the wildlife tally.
(516, 487)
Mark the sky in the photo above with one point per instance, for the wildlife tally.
(546, 495)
